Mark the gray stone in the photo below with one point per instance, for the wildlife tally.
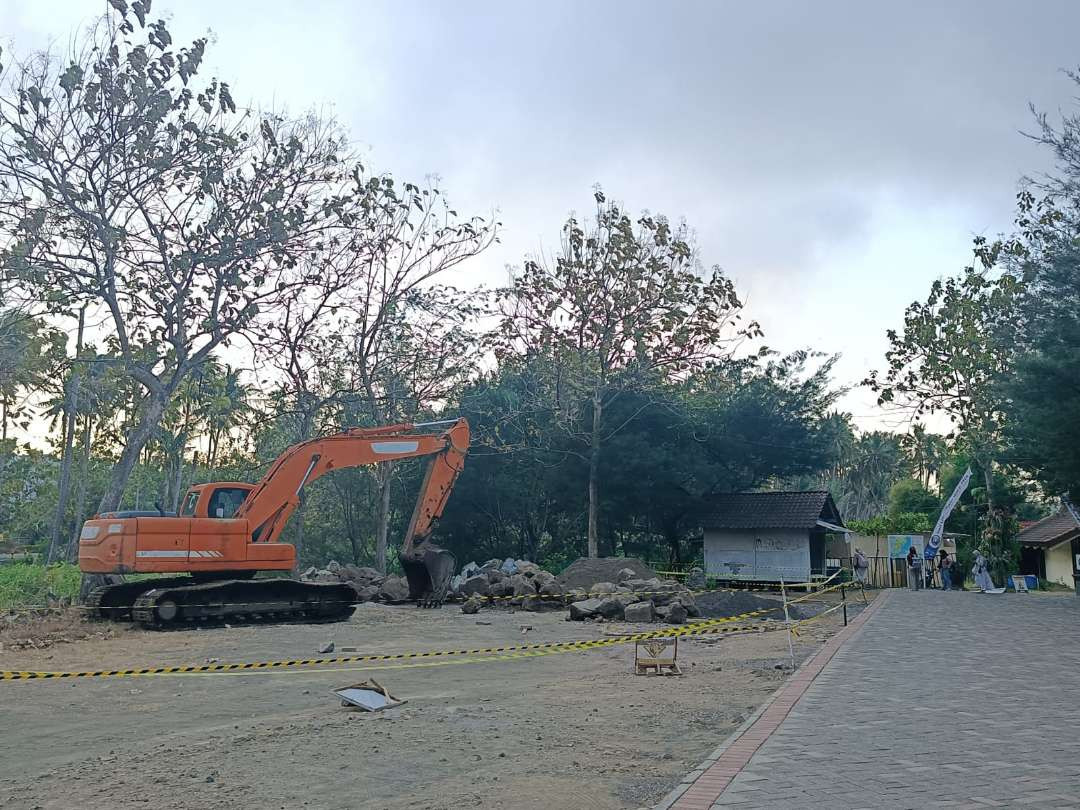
(664, 592)
(333, 566)
(639, 585)
(676, 614)
(363, 574)
(625, 574)
(509, 567)
(496, 576)
(328, 647)
(639, 612)
(325, 576)
(365, 593)
(394, 589)
(522, 586)
(610, 608)
(602, 588)
(477, 585)
(541, 578)
(551, 588)
(309, 573)
(584, 609)
(687, 601)
(491, 565)
(470, 569)
(527, 568)
(471, 606)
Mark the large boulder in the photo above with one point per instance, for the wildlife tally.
(551, 588)
(522, 586)
(585, 609)
(471, 606)
(527, 568)
(509, 567)
(496, 576)
(365, 593)
(476, 585)
(394, 589)
(639, 612)
(333, 566)
(325, 576)
(356, 573)
(625, 574)
(676, 614)
(491, 565)
(610, 608)
(687, 601)
(602, 589)
(664, 592)
(470, 569)
(541, 578)
(309, 574)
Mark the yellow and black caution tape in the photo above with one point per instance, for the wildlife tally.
(708, 626)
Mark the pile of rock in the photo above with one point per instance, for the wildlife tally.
(633, 599)
(369, 584)
(517, 583)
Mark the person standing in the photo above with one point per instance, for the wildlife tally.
(914, 569)
(945, 567)
(982, 574)
(862, 566)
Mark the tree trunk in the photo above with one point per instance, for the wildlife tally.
(80, 492)
(594, 470)
(71, 406)
(385, 474)
(149, 418)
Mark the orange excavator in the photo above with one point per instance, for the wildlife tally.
(225, 533)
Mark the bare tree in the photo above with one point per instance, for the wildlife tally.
(125, 189)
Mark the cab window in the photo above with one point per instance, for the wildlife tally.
(190, 502)
(225, 501)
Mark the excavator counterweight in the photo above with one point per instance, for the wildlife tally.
(227, 532)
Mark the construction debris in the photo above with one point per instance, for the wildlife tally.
(370, 696)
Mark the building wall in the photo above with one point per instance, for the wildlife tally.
(761, 554)
(1059, 564)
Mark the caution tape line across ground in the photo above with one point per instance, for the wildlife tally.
(708, 626)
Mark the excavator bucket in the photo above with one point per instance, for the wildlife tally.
(429, 575)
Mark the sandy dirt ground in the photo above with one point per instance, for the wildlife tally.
(571, 730)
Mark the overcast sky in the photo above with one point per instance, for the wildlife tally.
(833, 157)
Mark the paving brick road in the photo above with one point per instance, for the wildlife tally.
(939, 700)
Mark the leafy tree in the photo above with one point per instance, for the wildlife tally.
(952, 350)
(125, 189)
(621, 306)
(909, 496)
(1043, 393)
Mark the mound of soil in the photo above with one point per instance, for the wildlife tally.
(721, 604)
(585, 572)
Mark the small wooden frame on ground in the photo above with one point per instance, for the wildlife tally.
(657, 655)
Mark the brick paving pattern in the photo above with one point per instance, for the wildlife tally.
(938, 700)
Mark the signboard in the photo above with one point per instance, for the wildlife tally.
(900, 544)
(1020, 584)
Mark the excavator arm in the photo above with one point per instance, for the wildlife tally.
(273, 500)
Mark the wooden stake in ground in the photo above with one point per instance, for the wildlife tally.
(787, 622)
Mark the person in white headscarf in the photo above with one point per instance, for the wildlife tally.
(982, 576)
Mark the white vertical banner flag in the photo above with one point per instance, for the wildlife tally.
(935, 539)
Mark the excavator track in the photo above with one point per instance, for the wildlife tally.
(243, 601)
(114, 602)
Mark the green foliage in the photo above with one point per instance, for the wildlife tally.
(1044, 391)
(910, 496)
(893, 523)
(30, 584)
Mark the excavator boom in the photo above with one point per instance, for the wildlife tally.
(230, 531)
